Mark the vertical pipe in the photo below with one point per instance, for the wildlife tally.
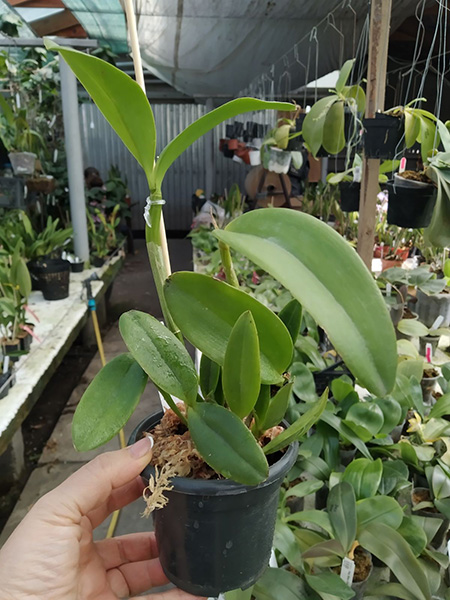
(72, 139)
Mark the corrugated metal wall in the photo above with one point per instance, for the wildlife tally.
(102, 148)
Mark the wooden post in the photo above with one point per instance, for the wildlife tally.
(380, 17)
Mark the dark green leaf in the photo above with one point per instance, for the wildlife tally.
(379, 509)
(279, 583)
(277, 407)
(392, 413)
(291, 315)
(330, 584)
(226, 444)
(304, 386)
(364, 475)
(162, 356)
(395, 473)
(206, 310)
(337, 424)
(366, 414)
(304, 488)
(209, 376)
(341, 508)
(284, 541)
(413, 533)
(108, 403)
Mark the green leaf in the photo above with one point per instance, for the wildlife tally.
(366, 414)
(333, 131)
(437, 233)
(412, 327)
(226, 444)
(393, 589)
(262, 406)
(119, 98)
(304, 386)
(317, 517)
(162, 356)
(392, 413)
(304, 255)
(304, 488)
(411, 368)
(330, 584)
(206, 310)
(343, 429)
(328, 548)
(241, 366)
(378, 509)
(239, 594)
(291, 315)
(278, 406)
(364, 475)
(300, 427)
(279, 583)
(341, 388)
(285, 542)
(358, 94)
(412, 128)
(443, 507)
(390, 547)
(341, 508)
(20, 275)
(395, 473)
(209, 376)
(344, 74)
(441, 408)
(204, 124)
(313, 125)
(108, 403)
(413, 533)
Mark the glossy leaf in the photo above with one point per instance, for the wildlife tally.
(277, 407)
(395, 474)
(279, 583)
(304, 386)
(333, 131)
(317, 517)
(304, 488)
(119, 98)
(412, 327)
(330, 584)
(300, 427)
(412, 128)
(291, 315)
(344, 74)
(337, 424)
(390, 547)
(341, 508)
(328, 548)
(437, 233)
(392, 413)
(204, 124)
(305, 255)
(206, 310)
(262, 406)
(366, 414)
(364, 475)
(341, 388)
(241, 367)
(441, 408)
(378, 509)
(214, 430)
(162, 356)
(413, 533)
(108, 403)
(209, 376)
(313, 125)
(285, 542)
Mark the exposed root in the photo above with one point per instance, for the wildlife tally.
(157, 485)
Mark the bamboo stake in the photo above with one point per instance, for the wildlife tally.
(139, 72)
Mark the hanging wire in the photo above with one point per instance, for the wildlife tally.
(332, 24)
(420, 37)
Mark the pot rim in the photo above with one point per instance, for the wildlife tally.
(215, 487)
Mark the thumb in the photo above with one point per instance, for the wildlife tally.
(93, 484)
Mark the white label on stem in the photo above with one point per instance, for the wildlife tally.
(55, 155)
(437, 322)
(347, 571)
(357, 174)
(428, 352)
(388, 289)
(5, 364)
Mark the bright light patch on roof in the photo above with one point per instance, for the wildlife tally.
(35, 14)
(326, 82)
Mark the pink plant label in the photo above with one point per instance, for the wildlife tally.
(402, 168)
(428, 353)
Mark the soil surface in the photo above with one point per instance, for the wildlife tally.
(408, 314)
(363, 564)
(419, 495)
(416, 176)
(430, 373)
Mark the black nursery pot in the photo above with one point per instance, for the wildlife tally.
(35, 268)
(77, 267)
(382, 136)
(216, 535)
(350, 192)
(54, 278)
(410, 207)
(97, 261)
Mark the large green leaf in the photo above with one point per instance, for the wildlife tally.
(209, 376)
(331, 282)
(395, 474)
(344, 74)
(206, 310)
(379, 509)
(317, 517)
(412, 327)
(120, 99)
(194, 131)
(413, 533)
(108, 402)
(304, 385)
(330, 584)
(277, 407)
(341, 508)
(162, 356)
(366, 414)
(241, 367)
(313, 125)
(333, 130)
(364, 475)
(390, 547)
(226, 444)
(392, 413)
(343, 429)
(300, 427)
(285, 542)
(291, 315)
(279, 583)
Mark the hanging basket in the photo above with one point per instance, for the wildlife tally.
(382, 136)
(409, 205)
(350, 192)
(276, 160)
(23, 163)
(41, 185)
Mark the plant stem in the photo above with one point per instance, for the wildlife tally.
(227, 263)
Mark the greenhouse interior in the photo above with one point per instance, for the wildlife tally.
(224, 299)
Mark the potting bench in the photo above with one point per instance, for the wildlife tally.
(60, 322)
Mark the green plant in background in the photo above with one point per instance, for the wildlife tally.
(15, 287)
(220, 320)
(324, 125)
(387, 166)
(102, 230)
(15, 131)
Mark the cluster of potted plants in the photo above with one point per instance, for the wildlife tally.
(243, 144)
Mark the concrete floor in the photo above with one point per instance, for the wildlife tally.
(133, 288)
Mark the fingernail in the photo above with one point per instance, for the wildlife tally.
(142, 447)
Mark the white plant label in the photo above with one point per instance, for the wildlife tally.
(428, 352)
(357, 174)
(437, 322)
(5, 364)
(347, 571)
(448, 547)
(388, 289)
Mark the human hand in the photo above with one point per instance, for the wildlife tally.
(52, 556)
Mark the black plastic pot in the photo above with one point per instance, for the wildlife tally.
(323, 379)
(382, 136)
(34, 268)
(350, 192)
(10, 349)
(54, 278)
(216, 535)
(77, 267)
(5, 385)
(410, 207)
(25, 342)
(97, 261)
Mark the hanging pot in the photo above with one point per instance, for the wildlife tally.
(255, 157)
(382, 136)
(349, 195)
(23, 163)
(276, 160)
(410, 206)
(54, 278)
(216, 535)
(41, 185)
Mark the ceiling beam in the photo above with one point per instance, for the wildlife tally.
(53, 24)
(36, 3)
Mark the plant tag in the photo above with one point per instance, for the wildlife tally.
(5, 364)
(357, 174)
(402, 168)
(55, 155)
(437, 322)
(428, 352)
(448, 547)
(388, 289)
(18, 104)
(347, 571)
(52, 122)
